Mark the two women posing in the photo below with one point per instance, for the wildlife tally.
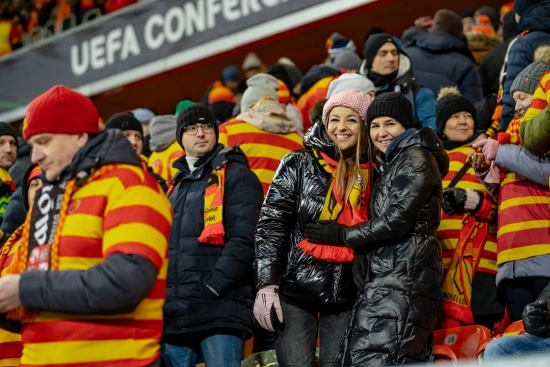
(326, 221)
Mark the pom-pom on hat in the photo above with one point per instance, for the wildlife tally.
(354, 99)
(219, 93)
(394, 105)
(449, 102)
(60, 110)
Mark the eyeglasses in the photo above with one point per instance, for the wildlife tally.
(194, 129)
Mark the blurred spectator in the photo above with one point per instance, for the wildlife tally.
(252, 65)
(347, 61)
(491, 13)
(467, 16)
(220, 102)
(144, 116)
(442, 59)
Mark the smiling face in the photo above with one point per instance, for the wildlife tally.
(459, 127)
(386, 60)
(343, 128)
(523, 101)
(383, 130)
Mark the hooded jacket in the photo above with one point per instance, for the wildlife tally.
(534, 29)
(392, 322)
(111, 264)
(209, 286)
(294, 199)
(422, 99)
(442, 60)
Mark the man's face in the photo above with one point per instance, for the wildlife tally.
(8, 151)
(53, 152)
(135, 138)
(197, 142)
(386, 60)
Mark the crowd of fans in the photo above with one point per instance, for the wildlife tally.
(377, 198)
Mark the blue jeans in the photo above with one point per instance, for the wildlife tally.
(219, 350)
(296, 338)
(517, 345)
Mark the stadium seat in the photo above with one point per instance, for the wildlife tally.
(463, 341)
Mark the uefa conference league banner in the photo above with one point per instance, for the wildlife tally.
(129, 38)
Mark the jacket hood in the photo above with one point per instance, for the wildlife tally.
(316, 73)
(268, 115)
(317, 138)
(109, 147)
(425, 139)
(441, 42)
(537, 18)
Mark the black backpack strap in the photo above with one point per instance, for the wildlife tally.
(460, 174)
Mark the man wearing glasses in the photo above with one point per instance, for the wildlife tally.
(216, 200)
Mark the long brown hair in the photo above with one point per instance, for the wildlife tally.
(349, 165)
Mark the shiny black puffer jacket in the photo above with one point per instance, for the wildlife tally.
(295, 198)
(392, 322)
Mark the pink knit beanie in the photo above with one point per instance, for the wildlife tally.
(352, 98)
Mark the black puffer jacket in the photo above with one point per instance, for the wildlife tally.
(392, 322)
(294, 199)
(197, 271)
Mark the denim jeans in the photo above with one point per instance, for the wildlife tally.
(296, 338)
(517, 345)
(217, 350)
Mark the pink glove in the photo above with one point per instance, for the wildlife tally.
(267, 307)
(490, 148)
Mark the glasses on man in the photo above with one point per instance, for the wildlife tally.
(194, 129)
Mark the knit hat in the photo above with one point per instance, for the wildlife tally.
(7, 129)
(220, 92)
(449, 102)
(528, 80)
(467, 13)
(251, 61)
(258, 86)
(36, 172)
(182, 105)
(373, 44)
(350, 81)
(394, 105)
(283, 93)
(341, 45)
(521, 6)
(231, 73)
(354, 99)
(491, 13)
(143, 114)
(197, 113)
(449, 22)
(124, 121)
(347, 60)
(60, 110)
(483, 26)
(290, 75)
(163, 132)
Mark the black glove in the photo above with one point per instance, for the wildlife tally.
(536, 319)
(359, 271)
(326, 232)
(454, 199)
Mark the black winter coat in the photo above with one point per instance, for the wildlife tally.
(295, 198)
(393, 319)
(197, 270)
(441, 60)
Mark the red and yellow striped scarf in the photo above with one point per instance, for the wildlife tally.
(349, 213)
(214, 232)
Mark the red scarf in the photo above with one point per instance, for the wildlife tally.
(353, 211)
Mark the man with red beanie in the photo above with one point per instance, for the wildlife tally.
(88, 281)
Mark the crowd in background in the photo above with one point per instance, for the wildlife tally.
(405, 189)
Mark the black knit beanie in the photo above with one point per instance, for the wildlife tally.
(448, 106)
(394, 105)
(124, 121)
(197, 113)
(7, 129)
(373, 44)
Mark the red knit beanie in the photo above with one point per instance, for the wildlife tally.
(60, 110)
